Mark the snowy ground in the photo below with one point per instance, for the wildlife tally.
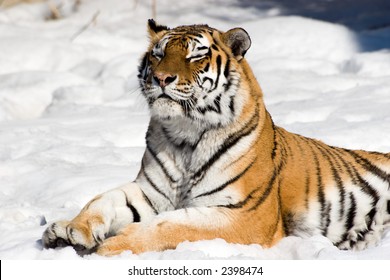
(72, 120)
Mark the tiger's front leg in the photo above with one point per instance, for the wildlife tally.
(102, 217)
(168, 229)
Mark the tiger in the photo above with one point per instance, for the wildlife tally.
(216, 166)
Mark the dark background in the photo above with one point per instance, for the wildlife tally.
(369, 19)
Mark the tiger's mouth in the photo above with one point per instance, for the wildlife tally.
(171, 103)
(167, 99)
(166, 96)
(166, 108)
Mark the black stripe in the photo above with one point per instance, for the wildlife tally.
(368, 189)
(351, 170)
(219, 66)
(370, 167)
(207, 79)
(196, 56)
(279, 215)
(155, 187)
(142, 66)
(206, 68)
(364, 185)
(154, 155)
(298, 140)
(227, 69)
(370, 217)
(349, 223)
(149, 203)
(213, 46)
(196, 78)
(201, 48)
(227, 85)
(328, 208)
(69, 235)
(136, 216)
(208, 54)
(230, 181)
(217, 103)
(231, 80)
(335, 174)
(339, 182)
(275, 143)
(231, 105)
(266, 193)
(240, 204)
(230, 141)
(268, 189)
(282, 143)
(351, 213)
(206, 109)
(320, 193)
(289, 223)
(356, 178)
(307, 189)
(97, 239)
(286, 146)
(379, 154)
(193, 147)
(274, 228)
(209, 108)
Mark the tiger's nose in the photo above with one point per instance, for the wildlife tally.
(163, 79)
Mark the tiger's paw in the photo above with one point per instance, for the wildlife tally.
(114, 246)
(83, 237)
(130, 239)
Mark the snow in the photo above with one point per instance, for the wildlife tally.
(72, 120)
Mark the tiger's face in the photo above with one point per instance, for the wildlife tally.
(192, 72)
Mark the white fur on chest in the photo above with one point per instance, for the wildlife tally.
(180, 170)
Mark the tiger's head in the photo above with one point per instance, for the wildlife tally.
(193, 72)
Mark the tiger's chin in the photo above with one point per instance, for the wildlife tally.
(166, 109)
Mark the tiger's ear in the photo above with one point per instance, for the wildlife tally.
(156, 31)
(238, 40)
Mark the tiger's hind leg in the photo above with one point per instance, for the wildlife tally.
(369, 231)
(102, 217)
(368, 213)
(363, 239)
